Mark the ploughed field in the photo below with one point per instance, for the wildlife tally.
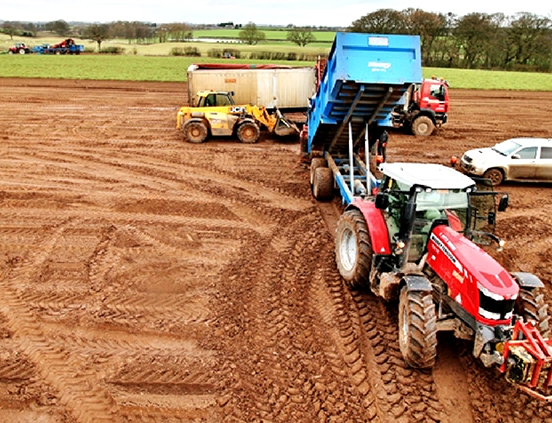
(144, 279)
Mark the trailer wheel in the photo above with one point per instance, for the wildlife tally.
(195, 132)
(248, 132)
(315, 164)
(531, 306)
(422, 126)
(322, 186)
(353, 248)
(495, 175)
(417, 328)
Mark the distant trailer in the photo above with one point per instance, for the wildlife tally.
(284, 87)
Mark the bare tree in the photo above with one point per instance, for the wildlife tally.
(59, 27)
(97, 33)
(251, 35)
(301, 36)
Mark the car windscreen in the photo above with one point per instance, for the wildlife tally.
(506, 147)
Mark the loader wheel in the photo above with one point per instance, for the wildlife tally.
(315, 164)
(322, 186)
(195, 132)
(422, 126)
(353, 249)
(249, 132)
(531, 306)
(417, 328)
(495, 175)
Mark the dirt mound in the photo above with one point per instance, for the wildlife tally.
(145, 279)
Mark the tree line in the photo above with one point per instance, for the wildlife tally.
(473, 41)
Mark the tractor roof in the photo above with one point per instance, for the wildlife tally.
(429, 175)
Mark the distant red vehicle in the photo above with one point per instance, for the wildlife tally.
(19, 48)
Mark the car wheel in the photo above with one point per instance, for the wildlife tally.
(496, 176)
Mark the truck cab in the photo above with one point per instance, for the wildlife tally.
(423, 108)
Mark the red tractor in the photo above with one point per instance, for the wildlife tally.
(19, 48)
(415, 241)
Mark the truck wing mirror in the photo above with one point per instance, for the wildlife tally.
(503, 204)
(382, 201)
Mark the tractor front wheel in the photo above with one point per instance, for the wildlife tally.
(417, 328)
(353, 249)
(248, 132)
(422, 126)
(531, 306)
(195, 132)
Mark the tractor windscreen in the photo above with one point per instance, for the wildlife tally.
(449, 204)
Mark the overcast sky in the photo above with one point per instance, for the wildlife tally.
(272, 12)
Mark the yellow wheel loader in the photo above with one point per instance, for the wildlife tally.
(217, 115)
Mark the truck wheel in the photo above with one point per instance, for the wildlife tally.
(495, 175)
(249, 132)
(322, 186)
(315, 164)
(195, 132)
(422, 126)
(417, 328)
(531, 306)
(353, 249)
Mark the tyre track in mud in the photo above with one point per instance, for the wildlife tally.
(198, 283)
(67, 373)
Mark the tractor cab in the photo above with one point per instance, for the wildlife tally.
(416, 197)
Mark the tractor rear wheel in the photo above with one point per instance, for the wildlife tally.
(353, 249)
(248, 132)
(495, 175)
(531, 306)
(322, 186)
(422, 126)
(195, 132)
(417, 328)
(315, 164)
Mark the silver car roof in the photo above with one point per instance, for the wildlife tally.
(431, 175)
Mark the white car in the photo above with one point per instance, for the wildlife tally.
(516, 159)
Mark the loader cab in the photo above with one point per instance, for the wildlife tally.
(215, 99)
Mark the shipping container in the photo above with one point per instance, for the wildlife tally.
(283, 87)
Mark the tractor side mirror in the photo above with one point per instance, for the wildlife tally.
(503, 204)
(382, 201)
(491, 218)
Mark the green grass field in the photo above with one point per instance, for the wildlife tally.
(153, 63)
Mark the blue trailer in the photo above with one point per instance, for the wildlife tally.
(365, 77)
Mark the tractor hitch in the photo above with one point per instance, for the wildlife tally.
(528, 361)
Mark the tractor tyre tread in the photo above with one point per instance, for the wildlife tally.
(531, 305)
(419, 344)
(359, 275)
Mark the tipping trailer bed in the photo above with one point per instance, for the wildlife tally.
(366, 75)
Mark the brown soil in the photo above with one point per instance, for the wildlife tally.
(144, 279)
